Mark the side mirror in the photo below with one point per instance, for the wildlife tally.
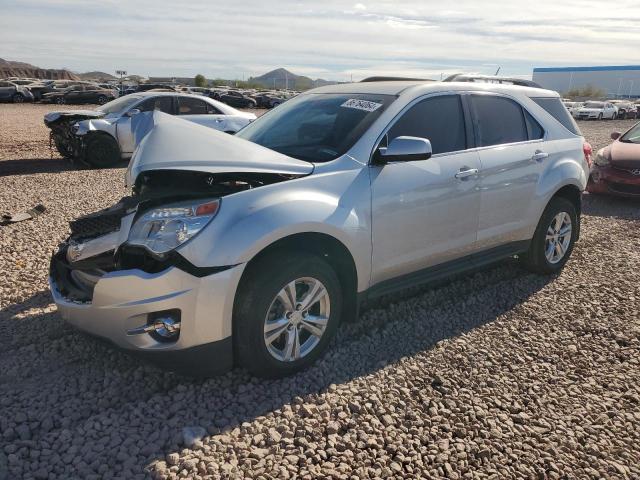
(615, 135)
(405, 149)
(133, 112)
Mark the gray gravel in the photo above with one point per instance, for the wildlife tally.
(502, 374)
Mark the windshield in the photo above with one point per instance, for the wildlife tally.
(119, 104)
(317, 127)
(632, 136)
(594, 104)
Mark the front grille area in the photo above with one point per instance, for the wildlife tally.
(625, 188)
(102, 222)
(95, 224)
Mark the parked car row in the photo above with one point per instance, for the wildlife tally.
(79, 92)
(603, 110)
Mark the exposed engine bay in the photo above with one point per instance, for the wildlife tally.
(98, 241)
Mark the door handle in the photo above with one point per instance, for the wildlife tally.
(471, 172)
(539, 156)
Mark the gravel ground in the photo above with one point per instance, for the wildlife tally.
(502, 374)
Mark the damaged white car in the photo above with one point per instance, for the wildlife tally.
(251, 249)
(106, 136)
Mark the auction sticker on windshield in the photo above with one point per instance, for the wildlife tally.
(365, 105)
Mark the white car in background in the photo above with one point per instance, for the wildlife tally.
(572, 107)
(593, 110)
(107, 135)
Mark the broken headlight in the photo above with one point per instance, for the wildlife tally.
(162, 229)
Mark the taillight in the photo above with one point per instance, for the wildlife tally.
(587, 150)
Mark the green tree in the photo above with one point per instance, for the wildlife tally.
(200, 81)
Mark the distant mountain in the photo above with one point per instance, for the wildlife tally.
(100, 76)
(9, 68)
(283, 78)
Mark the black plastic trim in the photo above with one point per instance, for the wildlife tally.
(133, 256)
(447, 269)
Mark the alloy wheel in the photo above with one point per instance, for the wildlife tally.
(558, 237)
(297, 319)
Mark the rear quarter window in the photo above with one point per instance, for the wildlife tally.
(557, 110)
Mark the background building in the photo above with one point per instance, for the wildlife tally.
(614, 81)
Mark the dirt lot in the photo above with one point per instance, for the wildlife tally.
(502, 374)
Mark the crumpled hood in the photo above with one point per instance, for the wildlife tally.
(53, 117)
(166, 142)
(623, 155)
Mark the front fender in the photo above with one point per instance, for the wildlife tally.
(95, 125)
(336, 204)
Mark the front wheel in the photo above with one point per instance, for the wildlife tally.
(286, 312)
(18, 98)
(102, 151)
(554, 238)
(102, 100)
(60, 100)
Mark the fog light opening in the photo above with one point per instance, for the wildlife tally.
(163, 326)
(166, 327)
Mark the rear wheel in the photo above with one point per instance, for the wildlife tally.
(102, 151)
(60, 100)
(554, 238)
(286, 312)
(17, 98)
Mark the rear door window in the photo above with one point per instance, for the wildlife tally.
(554, 107)
(439, 119)
(499, 120)
(164, 104)
(191, 106)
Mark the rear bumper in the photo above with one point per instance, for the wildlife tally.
(123, 300)
(613, 181)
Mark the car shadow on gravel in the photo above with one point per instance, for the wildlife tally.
(28, 166)
(69, 384)
(609, 206)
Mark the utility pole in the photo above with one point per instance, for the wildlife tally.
(122, 73)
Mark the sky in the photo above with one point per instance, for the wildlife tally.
(334, 40)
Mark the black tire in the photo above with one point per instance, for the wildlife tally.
(17, 98)
(62, 148)
(535, 259)
(102, 151)
(599, 116)
(60, 100)
(102, 99)
(256, 293)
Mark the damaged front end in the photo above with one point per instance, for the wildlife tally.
(63, 127)
(100, 242)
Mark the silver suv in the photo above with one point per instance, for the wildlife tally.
(252, 249)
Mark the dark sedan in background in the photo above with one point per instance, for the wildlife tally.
(81, 94)
(616, 168)
(12, 92)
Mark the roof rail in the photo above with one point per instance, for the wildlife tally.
(463, 77)
(395, 79)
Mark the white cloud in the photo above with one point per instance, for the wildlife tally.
(330, 39)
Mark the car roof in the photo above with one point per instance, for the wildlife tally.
(423, 87)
